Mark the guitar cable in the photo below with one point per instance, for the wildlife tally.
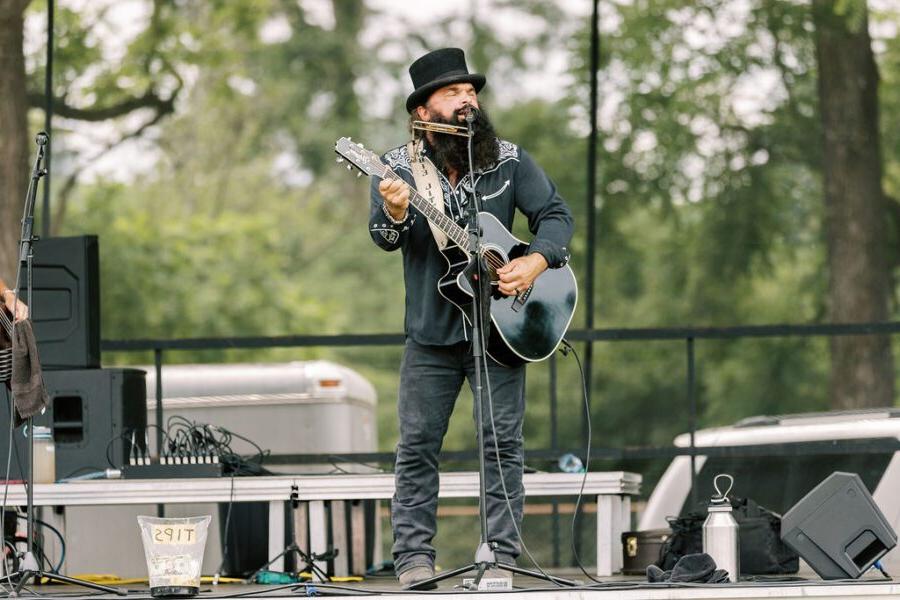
(567, 348)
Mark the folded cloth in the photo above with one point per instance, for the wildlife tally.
(657, 575)
(27, 381)
(690, 568)
(693, 567)
(718, 576)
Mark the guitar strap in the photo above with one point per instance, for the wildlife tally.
(428, 184)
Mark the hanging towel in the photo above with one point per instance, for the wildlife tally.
(27, 382)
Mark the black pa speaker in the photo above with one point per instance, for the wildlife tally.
(837, 528)
(92, 413)
(66, 301)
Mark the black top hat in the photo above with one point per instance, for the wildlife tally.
(437, 69)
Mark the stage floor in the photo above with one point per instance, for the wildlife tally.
(625, 588)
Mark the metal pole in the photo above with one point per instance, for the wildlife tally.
(692, 402)
(554, 403)
(592, 225)
(157, 359)
(554, 444)
(591, 206)
(29, 488)
(48, 121)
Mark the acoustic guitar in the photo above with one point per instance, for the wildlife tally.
(525, 328)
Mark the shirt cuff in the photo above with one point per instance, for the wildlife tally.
(390, 217)
(556, 256)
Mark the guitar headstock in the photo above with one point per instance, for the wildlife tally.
(358, 156)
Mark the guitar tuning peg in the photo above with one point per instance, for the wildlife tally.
(360, 145)
(339, 159)
(358, 175)
(349, 167)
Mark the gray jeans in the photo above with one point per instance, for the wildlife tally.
(430, 380)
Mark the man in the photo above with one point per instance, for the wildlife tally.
(438, 354)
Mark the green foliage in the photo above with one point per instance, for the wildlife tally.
(853, 11)
(84, 71)
(889, 100)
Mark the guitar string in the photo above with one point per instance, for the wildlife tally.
(6, 365)
(7, 324)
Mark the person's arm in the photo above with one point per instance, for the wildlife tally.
(390, 217)
(549, 219)
(12, 303)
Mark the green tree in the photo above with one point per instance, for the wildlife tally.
(862, 369)
(712, 213)
(117, 89)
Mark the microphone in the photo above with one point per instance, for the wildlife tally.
(42, 138)
(470, 122)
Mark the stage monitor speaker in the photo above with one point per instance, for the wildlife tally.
(837, 528)
(66, 302)
(92, 413)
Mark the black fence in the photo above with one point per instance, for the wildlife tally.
(688, 334)
(589, 336)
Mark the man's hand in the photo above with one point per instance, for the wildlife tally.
(15, 305)
(518, 274)
(396, 197)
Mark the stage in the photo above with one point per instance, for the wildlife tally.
(622, 587)
(338, 489)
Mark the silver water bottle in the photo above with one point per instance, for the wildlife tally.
(720, 532)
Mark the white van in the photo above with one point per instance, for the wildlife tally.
(298, 407)
(778, 482)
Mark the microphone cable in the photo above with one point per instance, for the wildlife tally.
(566, 348)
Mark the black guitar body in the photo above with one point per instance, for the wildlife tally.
(524, 328)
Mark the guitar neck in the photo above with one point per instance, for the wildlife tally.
(453, 231)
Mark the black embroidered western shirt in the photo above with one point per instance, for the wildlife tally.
(515, 181)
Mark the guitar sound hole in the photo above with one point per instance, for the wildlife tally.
(494, 260)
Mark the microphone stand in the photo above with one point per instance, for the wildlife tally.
(485, 558)
(29, 567)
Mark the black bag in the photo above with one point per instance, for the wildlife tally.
(759, 535)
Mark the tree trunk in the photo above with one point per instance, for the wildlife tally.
(862, 371)
(14, 145)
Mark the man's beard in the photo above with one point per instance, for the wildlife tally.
(450, 152)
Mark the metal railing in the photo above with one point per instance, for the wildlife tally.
(688, 334)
